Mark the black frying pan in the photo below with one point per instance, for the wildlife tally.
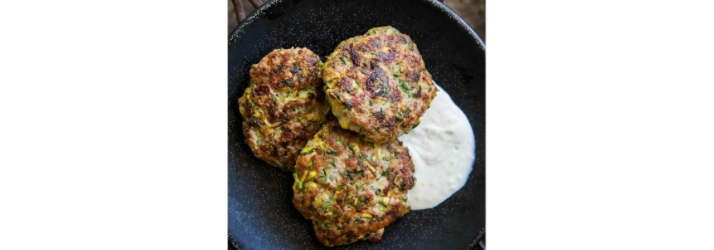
(260, 211)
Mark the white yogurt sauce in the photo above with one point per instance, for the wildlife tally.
(442, 148)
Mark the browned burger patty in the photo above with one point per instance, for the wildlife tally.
(284, 105)
(377, 84)
(350, 188)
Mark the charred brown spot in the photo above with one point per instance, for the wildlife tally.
(311, 61)
(379, 115)
(403, 40)
(351, 234)
(413, 75)
(386, 57)
(391, 122)
(261, 90)
(354, 55)
(346, 85)
(349, 104)
(377, 83)
(373, 44)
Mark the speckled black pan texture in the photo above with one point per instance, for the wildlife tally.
(260, 211)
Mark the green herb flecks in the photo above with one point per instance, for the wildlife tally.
(354, 148)
(307, 89)
(345, 61)
(287, 83)
(297, 180)
(416, 124)
(307, 150)
(325, 226)
(327, 204)
(362, 201)
(404, 86)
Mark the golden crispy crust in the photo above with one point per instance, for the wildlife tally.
(283, 107)
(377, 84)
(350, 188)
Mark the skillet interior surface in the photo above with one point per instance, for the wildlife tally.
(260, 210)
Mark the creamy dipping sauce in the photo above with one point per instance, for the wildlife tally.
(442, 148)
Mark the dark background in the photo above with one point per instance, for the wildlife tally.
(472, 11)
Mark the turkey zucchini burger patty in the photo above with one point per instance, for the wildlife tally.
(283, 106)
(351, 188)
(377, 84)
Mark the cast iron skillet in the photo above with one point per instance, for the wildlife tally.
(260, 210)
